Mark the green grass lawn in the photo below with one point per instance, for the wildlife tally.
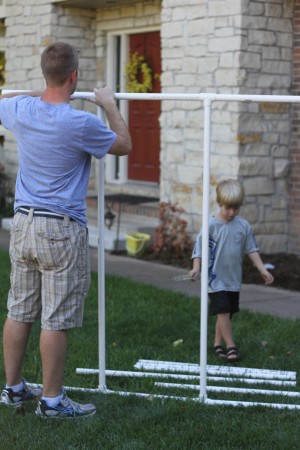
(144, 322)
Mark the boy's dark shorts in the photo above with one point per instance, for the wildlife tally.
(224, 302)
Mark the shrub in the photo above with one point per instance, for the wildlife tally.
(171, 237)
(6, 196)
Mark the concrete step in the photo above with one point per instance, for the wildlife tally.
(123, 224)
(131, 214)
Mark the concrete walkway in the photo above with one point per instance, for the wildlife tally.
(255, 298)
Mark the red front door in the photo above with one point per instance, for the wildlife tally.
(143, 162)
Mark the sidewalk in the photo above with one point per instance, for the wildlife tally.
(255, 298)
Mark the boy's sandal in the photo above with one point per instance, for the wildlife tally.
(232, 355)
(220, 351)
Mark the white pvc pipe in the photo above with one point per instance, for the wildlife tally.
(251, 404)
(101, 273)
(197, 97)
(235, 390)
(208, 401)
(205, 250)
(176, 376)
(212, 369)
(212, 97)
(134, 374)
(179, 96)
(166, 397)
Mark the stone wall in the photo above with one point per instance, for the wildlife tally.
(229, 47)
(264, 128)
(294, 213)
(200, 47)
(31, 25)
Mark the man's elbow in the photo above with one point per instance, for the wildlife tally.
(121, 147)
(127, 147)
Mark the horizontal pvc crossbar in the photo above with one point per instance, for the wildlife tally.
(183, 96)
(176, 376)
(172, 397)
(207, 401)
(215, 370)
(236, 390)
(200, 97)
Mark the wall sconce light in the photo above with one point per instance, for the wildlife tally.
(109, 218)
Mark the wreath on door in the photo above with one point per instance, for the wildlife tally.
(139, 75)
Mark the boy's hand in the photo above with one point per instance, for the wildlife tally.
(256, 259)
(267, 276)
(195, 274)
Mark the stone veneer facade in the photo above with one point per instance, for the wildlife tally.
(224, 46)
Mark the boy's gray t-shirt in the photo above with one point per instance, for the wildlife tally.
(228, 243)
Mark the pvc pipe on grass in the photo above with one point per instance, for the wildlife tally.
(215, 370)
(230, 389)
(176, 376)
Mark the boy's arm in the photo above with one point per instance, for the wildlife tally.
(257, 261)
(195, 272)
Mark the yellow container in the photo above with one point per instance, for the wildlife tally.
(136, 243)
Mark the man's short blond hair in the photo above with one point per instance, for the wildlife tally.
(230, 193)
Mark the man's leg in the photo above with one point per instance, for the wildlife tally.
(54, 402)
(53, 348)
(15, 339)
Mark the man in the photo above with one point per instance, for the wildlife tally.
(49, 240)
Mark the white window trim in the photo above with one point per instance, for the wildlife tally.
(111, 70)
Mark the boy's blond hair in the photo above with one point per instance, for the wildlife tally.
(230, 193)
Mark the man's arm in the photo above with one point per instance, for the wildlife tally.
(105, 98)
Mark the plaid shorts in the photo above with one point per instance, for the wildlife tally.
(50, 271)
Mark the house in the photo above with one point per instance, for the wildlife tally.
(220, 46)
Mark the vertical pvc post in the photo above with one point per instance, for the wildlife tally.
(204, 259)
(101, 272)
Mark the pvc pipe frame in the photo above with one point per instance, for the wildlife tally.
(207, 100)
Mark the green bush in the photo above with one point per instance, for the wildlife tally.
(171, 237)
(6, 195)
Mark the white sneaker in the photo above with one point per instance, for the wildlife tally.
(66, 409)
(11, 398)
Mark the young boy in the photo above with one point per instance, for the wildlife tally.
(230, 237)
